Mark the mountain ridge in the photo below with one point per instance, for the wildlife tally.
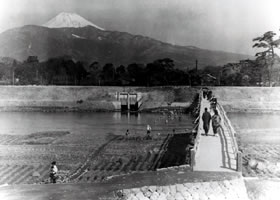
(91, 44)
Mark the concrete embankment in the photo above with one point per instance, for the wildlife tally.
(89, 98)
(172, 184)
(94, 98)
(248, 99)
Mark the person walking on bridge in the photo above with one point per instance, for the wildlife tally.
(206, 117)
(216, 122)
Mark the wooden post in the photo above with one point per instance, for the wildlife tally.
(239, 161)
(192, 159)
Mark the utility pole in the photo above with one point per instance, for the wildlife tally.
(13, 72)
(13, 76)
(37, 75)
(219, 78)
(196, 63)
(190, 78)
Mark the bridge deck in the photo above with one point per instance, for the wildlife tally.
(214, 153)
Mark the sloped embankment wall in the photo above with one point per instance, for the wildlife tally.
(248, 99)
(91, 98)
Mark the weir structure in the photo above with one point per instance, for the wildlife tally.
(129, 101)
(215, 153)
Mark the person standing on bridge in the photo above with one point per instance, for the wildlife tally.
(209, 95)
(216, 122)
(213, 103)
(204, 92)
(206, 117)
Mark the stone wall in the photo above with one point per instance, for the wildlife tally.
(227, 189)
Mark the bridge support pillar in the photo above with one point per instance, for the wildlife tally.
(118, 96)
(239, 161)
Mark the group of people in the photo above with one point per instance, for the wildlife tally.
(148, 136)
(216, 121)
(207, 93)
(206, 117)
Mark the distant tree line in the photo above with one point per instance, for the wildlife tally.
(64, 71)
(161, 72)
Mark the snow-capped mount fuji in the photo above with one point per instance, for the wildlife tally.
(69, 20)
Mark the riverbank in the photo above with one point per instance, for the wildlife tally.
(248, 99)
(170, 184)
(258, 137)
(91, 98)
(151, 99)
(88, 147)
(175, 183)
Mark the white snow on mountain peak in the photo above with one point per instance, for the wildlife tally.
(74, 20)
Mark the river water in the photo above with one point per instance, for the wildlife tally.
(255, 120)
(22, 123)
(257, 127)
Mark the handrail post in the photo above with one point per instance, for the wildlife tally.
(192, 159)
(239, 162)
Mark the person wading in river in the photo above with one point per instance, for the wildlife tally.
(206, 117)
(149, 128)
(53, 172)
(127, 133)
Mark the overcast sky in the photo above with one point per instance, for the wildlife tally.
(227, 25)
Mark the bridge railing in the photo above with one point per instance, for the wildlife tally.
(198, 135)
(232, 135)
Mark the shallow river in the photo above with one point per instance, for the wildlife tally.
(255, 121)
(252, 127)
(19, 123)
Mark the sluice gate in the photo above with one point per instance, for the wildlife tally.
(129, 101)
